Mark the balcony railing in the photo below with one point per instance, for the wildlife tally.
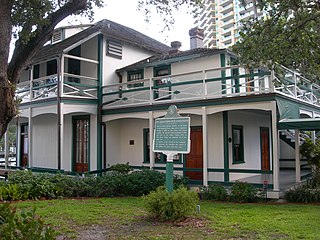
(208, 84)
(74, 86)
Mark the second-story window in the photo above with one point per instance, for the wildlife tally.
(134, 76)
(162, 85)
(51, 70)
(74, 65)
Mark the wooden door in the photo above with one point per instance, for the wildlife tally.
(265, 148)
(81, 144)
(194, 160)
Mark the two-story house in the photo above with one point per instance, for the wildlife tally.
(89, 101)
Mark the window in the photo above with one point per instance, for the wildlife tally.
(158, 157)
(51, 67)
(237, 144)
(51, 70)
(133, 76)
(36, 71)
(162, 85)
(74, 65)
(114, 49)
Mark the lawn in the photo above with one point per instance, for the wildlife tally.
(125, 218)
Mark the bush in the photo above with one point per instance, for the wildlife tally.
(22, 225)
(243, 192)
(173, 206)
(121, 168)
(214, 192)
(303, 194)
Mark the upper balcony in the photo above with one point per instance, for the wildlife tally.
(76, 77)
(233, 81)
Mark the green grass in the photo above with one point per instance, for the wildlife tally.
(125, 218)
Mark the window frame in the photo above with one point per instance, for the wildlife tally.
(241, 145)
(159, 82)
(135, 72)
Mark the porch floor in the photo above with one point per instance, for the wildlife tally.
(286, 179)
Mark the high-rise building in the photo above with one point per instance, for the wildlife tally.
(221, 21)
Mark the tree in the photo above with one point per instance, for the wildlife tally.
(32, 23)
(289, 34)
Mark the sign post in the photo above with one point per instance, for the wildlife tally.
(171, 137)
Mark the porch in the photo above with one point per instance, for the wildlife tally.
(224, 82)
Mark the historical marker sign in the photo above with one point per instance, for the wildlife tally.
(172, 135)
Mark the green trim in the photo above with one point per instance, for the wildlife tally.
(74, 118)
(100, 99)
(229, 184)
(261, 157)
(145, 150)
(241, 145)
(192, 104)
(80, 101)
(217, 170)
(226, 145)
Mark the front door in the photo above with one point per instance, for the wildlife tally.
(194, 160)
(24, 146)
(265, 147)
(81, 126)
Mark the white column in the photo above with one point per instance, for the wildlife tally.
(62, 75)
(18, 143)
(151, 133)
(313, 133)
(205, 145)
(6, 148)
(61, 135)
(297, 155)
(30, 139)
(275, 141)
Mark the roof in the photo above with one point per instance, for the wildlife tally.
(167, 58)
(110, 29)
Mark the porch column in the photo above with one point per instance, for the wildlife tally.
(313, 133)
(6, 148)
(61, 135)
(275, 141)
(205, 145)
(30, 139)
(297, 154)
(151, 128)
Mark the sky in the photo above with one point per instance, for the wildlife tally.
(125, 12)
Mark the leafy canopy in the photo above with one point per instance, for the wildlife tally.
(289, 34)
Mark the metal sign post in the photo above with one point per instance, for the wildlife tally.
(171, 137)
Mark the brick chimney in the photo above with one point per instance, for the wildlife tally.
(176, 45)
(196, 37)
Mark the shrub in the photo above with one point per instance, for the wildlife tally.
(214, 192)
(121, 168)
(142, 182)
(166, 206)
(303, 194)
(243, 192)
(22, 225)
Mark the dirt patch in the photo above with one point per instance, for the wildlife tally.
(143, 228)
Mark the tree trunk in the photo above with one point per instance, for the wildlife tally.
(7, 106)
